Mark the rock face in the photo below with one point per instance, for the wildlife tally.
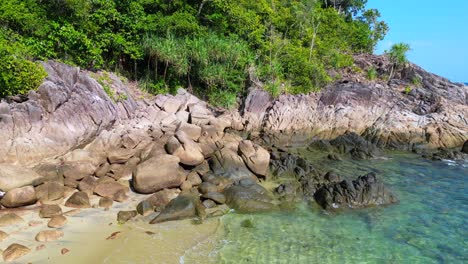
(12, 176)
(68, 110)
(362, 192)
(434, 114)
(158, 173)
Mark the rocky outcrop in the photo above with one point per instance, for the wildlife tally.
(68, 110)
(432, 115)
(363, 192)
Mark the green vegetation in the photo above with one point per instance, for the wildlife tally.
(397, 56)
(371, 74)
(213, 47)
(408, 89)
(416, 81)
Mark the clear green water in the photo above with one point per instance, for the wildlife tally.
(429, 225)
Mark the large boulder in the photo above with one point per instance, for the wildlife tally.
(157, 173)
(13, 176)
(363, 192)
(49, 191)
(188, 151)
(255, 157)
(19, 197)
(228, 164)
(184, 206)
(249, 197)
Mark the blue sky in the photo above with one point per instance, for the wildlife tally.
(437, 32)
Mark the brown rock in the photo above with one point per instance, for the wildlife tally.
(190, 152)
(255, 157)
(64, 251)
(109, 189)
(77, 170)
(186, 185)
(72, 212)
(144, 208)
(105, 202)
(157, 173)
(19, 197)
(124, 216)
(15, 251)
(49, 191)
(102, 170)
(207, 187)
(192, 131)
(70, 182)
(49, 211)
(78, 200)
(160, 199)
(40, 247)
(120, 155)
(57, 221)
(3, 236)
(49, 235)
(120, 196)
(215, 196)
(34, 223)
(87, 184)
(13, 176)
(114, 235)
(193, 178)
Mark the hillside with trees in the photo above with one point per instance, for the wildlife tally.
(213, 47)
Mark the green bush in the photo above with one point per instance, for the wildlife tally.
(371, 73)
(19, 76)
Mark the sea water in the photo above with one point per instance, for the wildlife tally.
(428, 225)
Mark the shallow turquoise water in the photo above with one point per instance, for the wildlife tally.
(429, 225)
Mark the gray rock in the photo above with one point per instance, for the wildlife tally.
(363, 192)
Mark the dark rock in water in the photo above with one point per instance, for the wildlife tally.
(362, 192)
(124, 216)
(184, 206)
(249, 198)
(353, 144)
(446, 154)
(465, 147)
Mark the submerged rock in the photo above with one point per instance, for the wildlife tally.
(363, 192)
(10, 219)
(49, 235)
(124, 216)
(57, 221)
(49, 211)
(249, 198)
